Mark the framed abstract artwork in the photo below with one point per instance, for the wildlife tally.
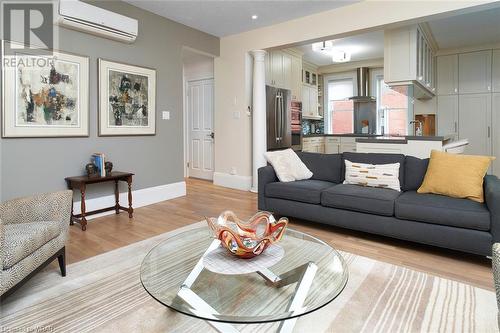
(44, 95)
(127, 99)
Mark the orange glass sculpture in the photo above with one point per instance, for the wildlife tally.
(247, 239)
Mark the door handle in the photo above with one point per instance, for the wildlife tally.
(456, 127)
(489, 131)
(276, 124)
(211, 135)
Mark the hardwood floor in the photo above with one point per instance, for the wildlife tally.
(203, 198)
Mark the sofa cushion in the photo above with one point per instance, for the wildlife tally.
(440, 209)
(373, 175)
(287, 165)
(23, 239)
(415, 169)
(308, 190)
(378, 201)
(327, 167)
(376, 158)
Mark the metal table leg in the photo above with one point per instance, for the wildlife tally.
(303, 275)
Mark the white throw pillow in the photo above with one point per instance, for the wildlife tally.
(287, 165)
(373, 175)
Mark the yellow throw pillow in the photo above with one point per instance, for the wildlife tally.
(457, 176)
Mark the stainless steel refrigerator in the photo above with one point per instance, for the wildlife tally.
(279, 127)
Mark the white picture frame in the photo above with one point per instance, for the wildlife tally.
(127, 99)
(29, 93)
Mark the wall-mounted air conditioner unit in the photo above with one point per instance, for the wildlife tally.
(81, 16)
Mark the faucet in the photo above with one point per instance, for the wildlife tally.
(415, 122)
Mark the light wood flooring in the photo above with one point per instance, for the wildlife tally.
(205, 199)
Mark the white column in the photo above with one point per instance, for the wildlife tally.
(259, 145)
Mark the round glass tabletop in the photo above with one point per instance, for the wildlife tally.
(310, 275)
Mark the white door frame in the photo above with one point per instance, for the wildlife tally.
(185, 81)
(186, 119)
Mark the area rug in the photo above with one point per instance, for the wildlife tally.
(104, 294)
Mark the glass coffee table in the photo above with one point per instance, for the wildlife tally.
(309, 276)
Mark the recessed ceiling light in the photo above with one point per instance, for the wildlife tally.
(254, 17)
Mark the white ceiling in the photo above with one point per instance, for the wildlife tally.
(467, 30)
(222, 18)
(362, 47)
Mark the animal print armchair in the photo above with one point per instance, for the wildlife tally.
(496, 273)
(33, 232)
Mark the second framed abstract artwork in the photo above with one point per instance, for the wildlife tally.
(127, 96)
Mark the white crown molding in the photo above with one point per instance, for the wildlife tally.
(141, 198)
(233, 181)
(482, 47)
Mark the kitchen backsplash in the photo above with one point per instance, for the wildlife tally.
(312, 127)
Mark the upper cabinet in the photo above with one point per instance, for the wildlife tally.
(309, 74)
(310, 102)
(474, 72)
(496, 71)
(284, 70)
(410, 59)
(447, 75)
(296, 78)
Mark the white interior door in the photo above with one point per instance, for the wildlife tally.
(201, 135)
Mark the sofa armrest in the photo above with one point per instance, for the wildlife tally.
(266, 175)
(54, 206)
(492, 197)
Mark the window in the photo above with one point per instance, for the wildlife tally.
(340, 108)
(392, 108)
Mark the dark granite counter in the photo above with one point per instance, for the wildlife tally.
(399, 139)
(341, 135)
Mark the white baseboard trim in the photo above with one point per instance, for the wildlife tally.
(233, 181)
(142, 197)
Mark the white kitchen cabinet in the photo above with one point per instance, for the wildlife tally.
(332, 145)
(347, 144)
(314, 144)
(277, 69)
(296, 78)
(475, 122)
(409, 60)
(495, 86)
(474, 72)
(287, 71)
(310, 102)
(447, 74)
(495, 131)
(284, 70)
(447, 115)
(309, 74)
(313, 100)
(347, 148)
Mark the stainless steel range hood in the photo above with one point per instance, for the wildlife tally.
(363, 78)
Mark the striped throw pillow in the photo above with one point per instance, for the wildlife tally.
(373, 175)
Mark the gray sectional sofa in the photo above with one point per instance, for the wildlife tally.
(458, 224)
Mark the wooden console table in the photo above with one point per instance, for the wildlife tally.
(81, 182)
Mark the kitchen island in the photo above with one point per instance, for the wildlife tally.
(418, 146)
(332, 143)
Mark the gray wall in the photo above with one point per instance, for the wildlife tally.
(40, 165)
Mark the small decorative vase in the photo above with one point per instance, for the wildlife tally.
(247, 239)
(91, 169)
(108, 166)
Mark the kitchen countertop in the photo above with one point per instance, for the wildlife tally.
(400, 139)
(345, 135)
